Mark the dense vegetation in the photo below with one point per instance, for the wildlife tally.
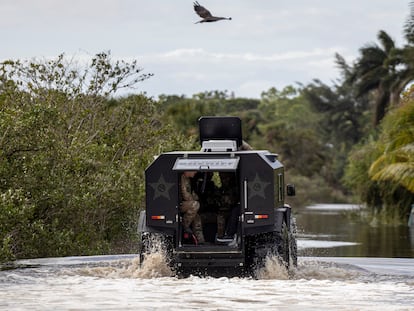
(71, 158)
(381, 168)
(72, 155)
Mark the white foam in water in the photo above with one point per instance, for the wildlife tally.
(154, 266)
(125, 285)
(317, 270)
(334, 207)
(304, 244)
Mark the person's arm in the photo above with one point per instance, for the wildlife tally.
(186, 189)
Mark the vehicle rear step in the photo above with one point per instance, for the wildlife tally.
(209, 256)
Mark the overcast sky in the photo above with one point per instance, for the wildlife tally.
(268, 43)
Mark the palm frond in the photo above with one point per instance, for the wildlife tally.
(397, 166)
(401, 173)
(386, 41)
(409, 25)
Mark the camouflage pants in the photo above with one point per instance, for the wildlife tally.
(221, 224)
(192, 218)
(222, 215)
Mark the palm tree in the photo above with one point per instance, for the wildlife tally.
(376, 72)
(409, 25)
(396, 162)
(385, 70)
(396, 166)
(405, 56)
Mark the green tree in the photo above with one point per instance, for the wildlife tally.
(396, 162)
(376, 72)
(184, 112)
(343, 122)
(290, 128)
(381, 169)
(384, 70)
(344, 115)
(72, 158)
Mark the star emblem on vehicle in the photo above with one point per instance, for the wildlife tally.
(161, 188)
(257, 187)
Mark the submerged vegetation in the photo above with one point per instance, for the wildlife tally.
(72, 155)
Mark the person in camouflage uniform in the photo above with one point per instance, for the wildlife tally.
(207, 191)
(189, 207)
(245, 146)
(227, 213)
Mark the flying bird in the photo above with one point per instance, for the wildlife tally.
(206, 15)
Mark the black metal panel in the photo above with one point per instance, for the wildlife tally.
(219, 128)
(280, 215)
(258, 191)
(206, 257)
(162, 193)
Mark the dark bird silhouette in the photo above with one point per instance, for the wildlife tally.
(206, 15)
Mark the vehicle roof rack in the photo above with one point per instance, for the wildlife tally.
(219, 145)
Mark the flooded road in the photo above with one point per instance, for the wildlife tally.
(326, 230)
(119, 283)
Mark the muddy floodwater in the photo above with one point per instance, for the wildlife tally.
(323, 280)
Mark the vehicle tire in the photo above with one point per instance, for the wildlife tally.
(288, 250)
(258, 247)
(144, 246)
(293, 258)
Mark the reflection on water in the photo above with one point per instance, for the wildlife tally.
(325, 230)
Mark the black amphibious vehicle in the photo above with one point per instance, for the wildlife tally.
(262, 221)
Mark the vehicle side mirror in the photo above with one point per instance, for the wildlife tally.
(290, 190)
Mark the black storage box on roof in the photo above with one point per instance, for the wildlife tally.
(220, 128)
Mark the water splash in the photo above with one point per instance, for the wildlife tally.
(154, 266)
(122, 283)
(318, 270)
(273, 269)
